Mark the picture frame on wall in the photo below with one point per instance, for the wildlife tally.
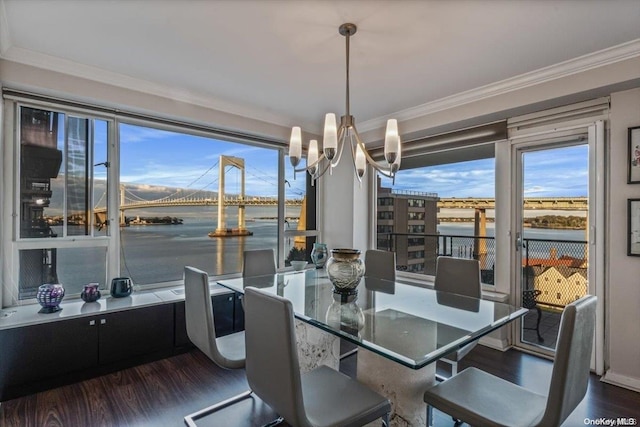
(633, 227)
(634, 156)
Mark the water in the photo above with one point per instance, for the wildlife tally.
(158, 253)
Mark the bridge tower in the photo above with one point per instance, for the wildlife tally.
(222, 230)
(480, 232)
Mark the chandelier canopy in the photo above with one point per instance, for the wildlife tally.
(336, 137)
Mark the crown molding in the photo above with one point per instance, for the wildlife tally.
(570, 67)
(64, 66)
(5, 37)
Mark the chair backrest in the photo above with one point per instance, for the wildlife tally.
(380, 264)
(272, 366)
(199, 313)
(571, 366)
(459, 276)
(258, 262)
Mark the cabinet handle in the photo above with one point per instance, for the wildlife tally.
(230, 299)
(92, 322)
(103, 321)
(240, 296)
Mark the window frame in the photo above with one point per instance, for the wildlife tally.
(11, 243)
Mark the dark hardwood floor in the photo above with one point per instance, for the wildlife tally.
(162, 393)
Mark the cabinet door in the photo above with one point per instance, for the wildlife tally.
(181, 339)
(238, 314)
(47, 350)
(132, 333)
(223, 313)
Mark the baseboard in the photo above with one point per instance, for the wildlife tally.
(494, 343)
(621, 381)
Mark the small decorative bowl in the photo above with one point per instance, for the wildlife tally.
(90, 293)
(298, 265)
(49, 296)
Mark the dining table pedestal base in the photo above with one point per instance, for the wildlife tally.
(403, 386)
(316, 347)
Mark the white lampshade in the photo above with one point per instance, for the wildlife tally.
(295, 146)
(360, 162)
(330, 141)
(391, 141)
(312, 157)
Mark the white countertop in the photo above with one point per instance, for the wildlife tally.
(25, 315)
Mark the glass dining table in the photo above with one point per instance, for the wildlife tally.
(400, 329)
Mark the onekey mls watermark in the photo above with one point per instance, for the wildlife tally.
(620, 421)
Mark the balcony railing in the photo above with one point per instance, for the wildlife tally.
(557, 268)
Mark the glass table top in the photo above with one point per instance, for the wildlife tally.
(411, 325)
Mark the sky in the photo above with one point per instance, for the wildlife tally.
(163, 158)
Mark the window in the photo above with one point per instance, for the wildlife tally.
(170, 191)
(438, 185)
(63, 187)
(385, 214)
(80, 222)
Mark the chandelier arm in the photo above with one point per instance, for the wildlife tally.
(324, 170)
(316, 163)
(385, 171)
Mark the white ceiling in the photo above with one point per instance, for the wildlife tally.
(283, 61)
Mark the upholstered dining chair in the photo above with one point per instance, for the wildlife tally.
(258, 262)
(380, 264)
(482, 399)
(227, 352)
(458, 276)
(321, 397)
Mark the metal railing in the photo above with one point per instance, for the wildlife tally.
(557, 268)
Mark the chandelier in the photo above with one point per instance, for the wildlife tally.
(336, 137)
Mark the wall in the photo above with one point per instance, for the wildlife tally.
(623, 273)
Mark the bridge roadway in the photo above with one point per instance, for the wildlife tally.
(549, 203)
(539, 203)
(228, 201)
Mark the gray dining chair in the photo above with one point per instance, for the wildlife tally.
(481, 399)
(227, 352)
(380, 264)
(258, 262)
(321, 397)
(458, 276)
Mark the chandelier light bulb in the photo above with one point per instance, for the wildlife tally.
(360, 162)
(295, 146)
(330, 141)
(312, 157)
(391, 141)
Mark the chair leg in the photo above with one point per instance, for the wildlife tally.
(429, 416)
(190, 420)
(540, 338)
(275, 422)
(385, 420)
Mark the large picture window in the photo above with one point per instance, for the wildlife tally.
(424, 215)
(171, 184)
(101, 194)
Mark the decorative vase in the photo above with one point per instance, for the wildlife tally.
(345, 269)
(49, 296)
(319, 254)
(90, 293)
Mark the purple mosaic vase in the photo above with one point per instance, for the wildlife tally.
(49, 296)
